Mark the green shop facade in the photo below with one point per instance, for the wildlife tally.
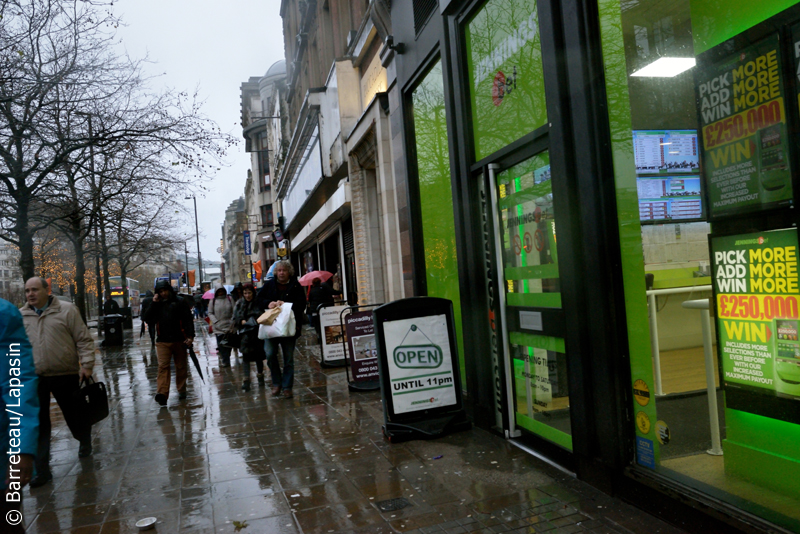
(606, 191)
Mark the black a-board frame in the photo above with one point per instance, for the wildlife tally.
(322, 362)
(423, 424)
(777, 217)
(352, 385)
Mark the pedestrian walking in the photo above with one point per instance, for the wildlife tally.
(110, 307)
(236, 295)
(63, 353)
(147, 301)
(319, 293)
(198, 304)
(220, 311)
(283, 288)
(252, 348)
(174, 333)
(19, 404)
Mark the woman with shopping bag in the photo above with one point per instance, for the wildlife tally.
(284, 287)
(245, 314)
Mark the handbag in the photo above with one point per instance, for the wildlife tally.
(283, 326)
(92, 400)
(230, 340)
(269, 316)
(248, 327)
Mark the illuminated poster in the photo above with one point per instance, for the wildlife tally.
(758, 325)
(744, 138)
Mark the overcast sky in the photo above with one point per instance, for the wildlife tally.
(215, 47)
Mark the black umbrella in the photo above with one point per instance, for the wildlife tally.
(196, 363)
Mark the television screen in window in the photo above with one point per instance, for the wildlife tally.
(666, 151)
(669, 199)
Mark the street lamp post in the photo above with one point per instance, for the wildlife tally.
(197, 234)
(186, 251)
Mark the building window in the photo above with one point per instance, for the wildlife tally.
(266, 215)
(662, 137)
(263, 163)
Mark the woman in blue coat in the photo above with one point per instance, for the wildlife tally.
(19, 414)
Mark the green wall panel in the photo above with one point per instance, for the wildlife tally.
(619, 112)
(436, 197)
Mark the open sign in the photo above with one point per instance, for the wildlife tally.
(418, 356)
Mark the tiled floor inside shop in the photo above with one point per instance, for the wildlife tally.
(226, 461)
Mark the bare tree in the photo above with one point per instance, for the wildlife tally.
(142, 229)
(75, 117)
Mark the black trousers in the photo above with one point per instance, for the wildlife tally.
(63, 388)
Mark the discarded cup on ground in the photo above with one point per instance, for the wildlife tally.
(147, 523)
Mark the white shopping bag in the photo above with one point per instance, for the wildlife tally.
(283, 326)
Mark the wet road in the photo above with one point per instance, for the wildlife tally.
(225, 459)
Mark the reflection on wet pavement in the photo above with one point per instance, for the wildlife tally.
(317, 463)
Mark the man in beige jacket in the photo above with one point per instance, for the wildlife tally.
(63, 352)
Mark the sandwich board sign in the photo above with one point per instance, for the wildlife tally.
(332, 336)
(419, 377)
(362, 348)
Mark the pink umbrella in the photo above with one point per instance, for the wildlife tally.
(209, 295)
(308, 278)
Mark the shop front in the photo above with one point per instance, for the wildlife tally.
(606, 192)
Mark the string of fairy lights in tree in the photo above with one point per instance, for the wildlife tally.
(55, 259)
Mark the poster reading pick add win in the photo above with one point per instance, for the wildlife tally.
(758, 323)
(419, 363)
(743, 130)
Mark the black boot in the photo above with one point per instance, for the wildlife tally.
(42, 477)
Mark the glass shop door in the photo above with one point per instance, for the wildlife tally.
(532, 320)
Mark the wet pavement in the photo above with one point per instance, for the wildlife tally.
(225, 461)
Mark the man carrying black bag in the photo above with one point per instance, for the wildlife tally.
(63, 352)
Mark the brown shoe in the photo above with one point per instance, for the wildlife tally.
(287, 394)
(276, 390)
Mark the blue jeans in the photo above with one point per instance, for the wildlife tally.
(285, 379)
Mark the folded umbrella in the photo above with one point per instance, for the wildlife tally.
(193, 356)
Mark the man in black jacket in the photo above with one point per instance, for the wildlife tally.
(172, 318)
(110, 307)
(147, 301)
(319, 293)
